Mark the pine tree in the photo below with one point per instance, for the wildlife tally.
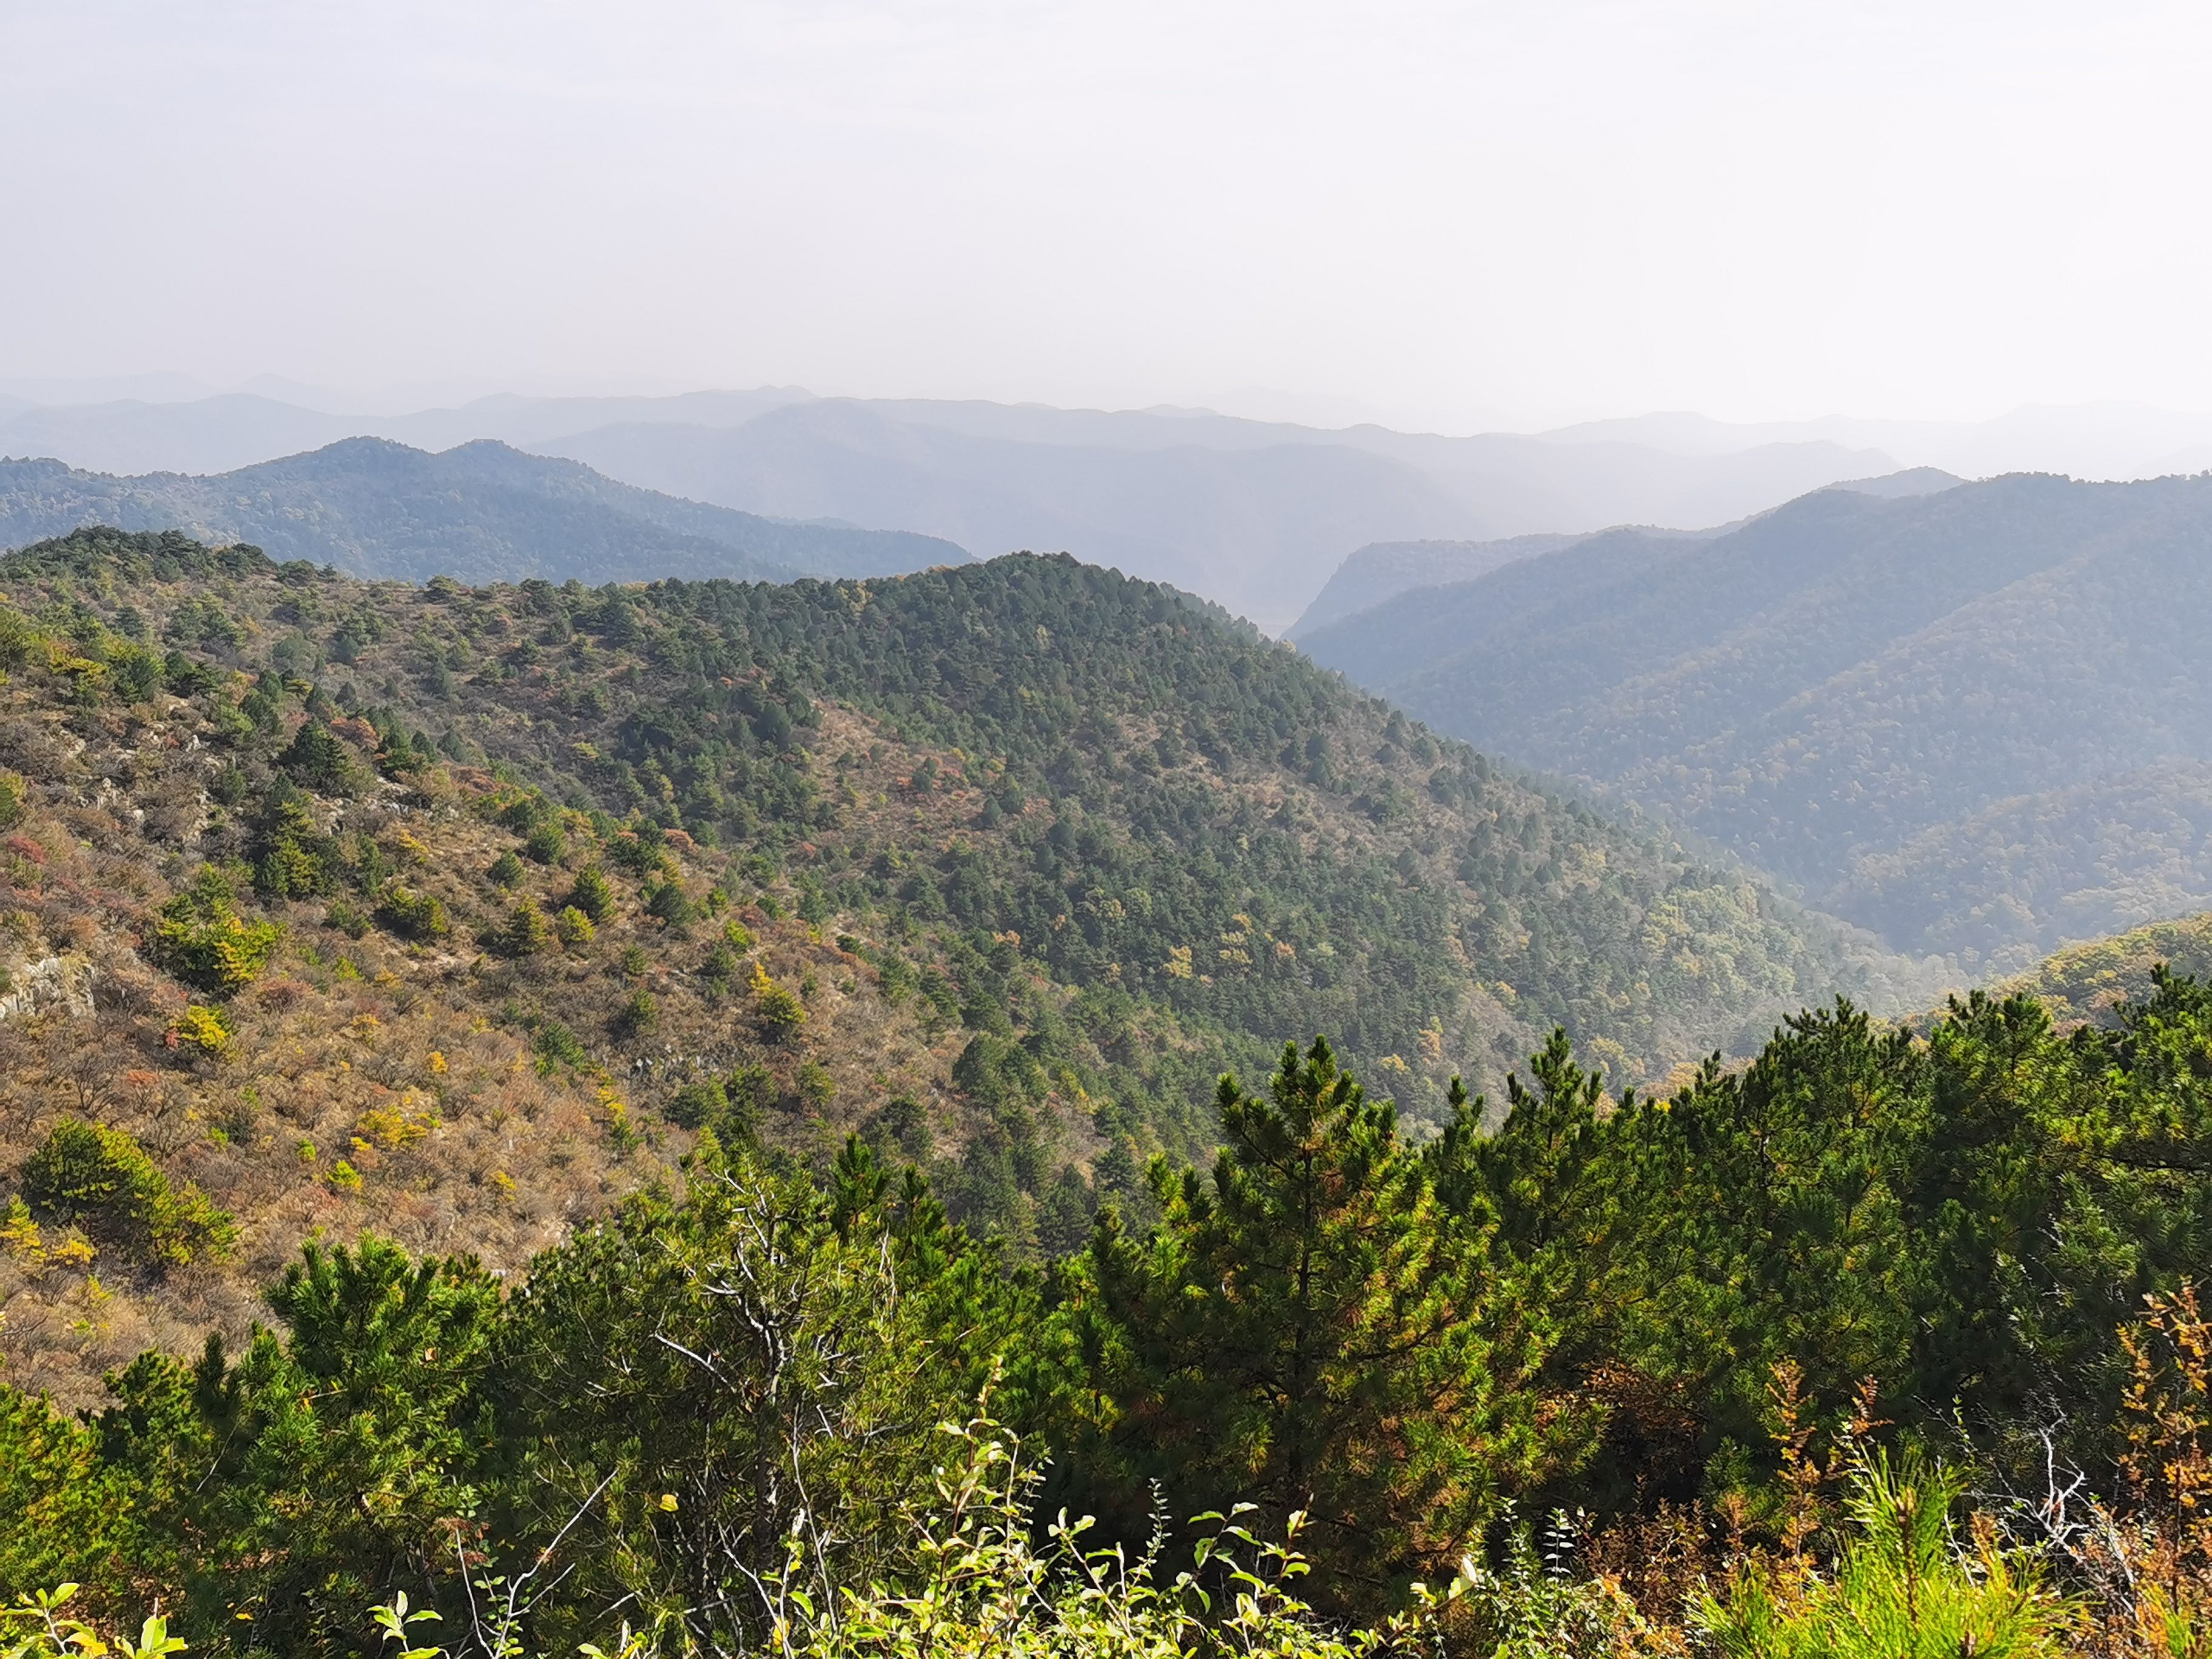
(1307, 1330)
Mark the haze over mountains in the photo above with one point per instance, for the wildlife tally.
(1974, 721)
(481, 512)
(1254, 515)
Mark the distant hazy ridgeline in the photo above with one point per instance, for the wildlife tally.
(483, 511)
(1253, 514)
(1973, 721)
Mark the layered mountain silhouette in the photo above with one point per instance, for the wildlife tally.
(1976, 722)
(481, 512)
(1252, 514)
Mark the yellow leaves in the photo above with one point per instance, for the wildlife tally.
(778, 1006)
(617, 1114)
(202, 1030)
(1178, 965)
(396, 1127)
(437, 1063)
(18, 1234)
(1432, 1039)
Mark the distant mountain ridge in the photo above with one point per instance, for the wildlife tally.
(481, 512)
(1973, 722)
(1383, 570)
(1252, 514)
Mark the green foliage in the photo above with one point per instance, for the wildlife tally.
(293, 858)
(506, 870)
(762, 1358)
(574, 929)
(778, 1006)
(64, 1516)
(1312, 1327)
(554, 1044)
(1903, 1589)
(319, 759)
(102, 1179)
(665, 901)
(204, 1031)
(528, 932)
(44, 1626)
(326, 1465)
(1895, 704)
(411, 915)
(639, 1011)
(203, 941)
(593, 895)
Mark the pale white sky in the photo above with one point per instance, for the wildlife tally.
(1461, 216)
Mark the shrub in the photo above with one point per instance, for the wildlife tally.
(11, 800)
(638, 1014)
(527, 932)
(203, 941)
(506, 870)
(634, 960)
(102, 1179)
(573, 928)
(592, 894)
(738, 934)
(554, 1044)
(700, 1105)
(1901, 1588)
(348, 918)
(546, 845)
(719, 967)
(206, 1031)
(665, 900)
(778, 1007)
(320, 760)
(411, 915)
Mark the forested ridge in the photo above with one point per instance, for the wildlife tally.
(701, 1118)
(457, 910)
(481, 512)
(1968, 722)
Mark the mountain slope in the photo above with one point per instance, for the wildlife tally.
(1969, 720)
(999, 864)
(1383, 570)
(483, 511)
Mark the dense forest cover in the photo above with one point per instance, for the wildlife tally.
(457, 911)
(481, 512)
(1971, 722)
(693, 1119)
(1846, 1351)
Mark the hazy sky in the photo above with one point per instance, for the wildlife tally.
(1460, 214)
